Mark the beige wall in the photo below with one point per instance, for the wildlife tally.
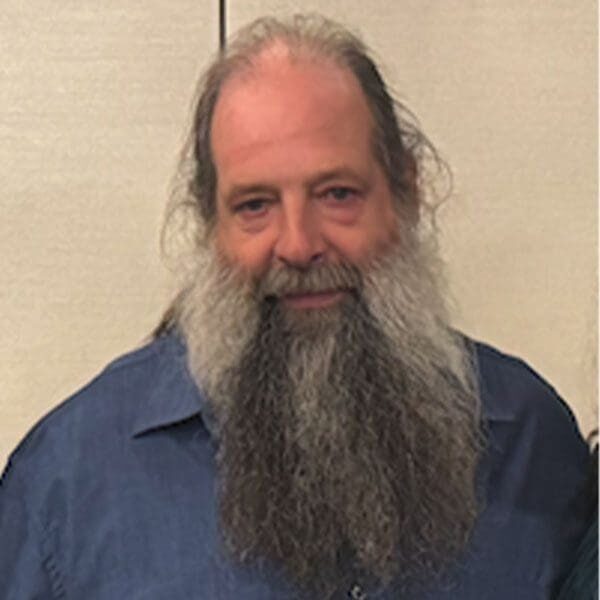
(93, 101)
(94, 97)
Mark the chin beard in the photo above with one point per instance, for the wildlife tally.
(348, 436)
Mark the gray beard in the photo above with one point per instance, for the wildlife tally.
(348, 436)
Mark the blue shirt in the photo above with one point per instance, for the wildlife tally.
(112, 495)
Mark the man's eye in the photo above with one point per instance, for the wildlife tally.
(340, 193)
(251, 207)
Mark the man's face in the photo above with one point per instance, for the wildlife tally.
(298, 183)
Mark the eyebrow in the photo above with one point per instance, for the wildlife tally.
(238, 191)
(333, 174)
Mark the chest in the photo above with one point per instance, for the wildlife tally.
(150, 532)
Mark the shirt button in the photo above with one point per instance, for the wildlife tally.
(357, 593)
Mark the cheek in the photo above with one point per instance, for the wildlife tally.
(250, 253)
(361, 250)
(373, 238)
(384, 227)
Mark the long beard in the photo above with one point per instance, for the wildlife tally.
(348, 436)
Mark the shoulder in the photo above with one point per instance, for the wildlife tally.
(81, 469)
(512, 391)
(532, 433)
(530, 428)
(533, 472)
(96, 417)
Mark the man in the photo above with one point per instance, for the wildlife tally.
(305, 422)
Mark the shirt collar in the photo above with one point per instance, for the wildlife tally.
(486, 362)
(174, 396)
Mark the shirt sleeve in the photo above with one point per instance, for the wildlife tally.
(25, 573)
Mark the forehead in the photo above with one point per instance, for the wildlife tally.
(283, 100)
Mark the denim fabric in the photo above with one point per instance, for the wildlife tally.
(112, 495)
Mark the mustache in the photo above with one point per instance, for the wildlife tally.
(286, 280)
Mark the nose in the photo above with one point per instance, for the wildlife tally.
(299, 243)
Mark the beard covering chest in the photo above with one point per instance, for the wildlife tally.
(348, 436)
